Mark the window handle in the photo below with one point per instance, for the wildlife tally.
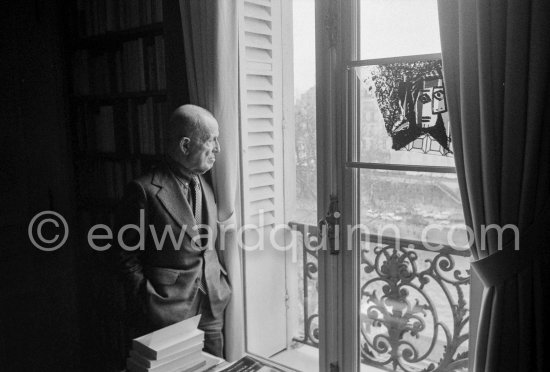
(329, 226)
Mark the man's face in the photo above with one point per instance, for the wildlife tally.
(202, 153)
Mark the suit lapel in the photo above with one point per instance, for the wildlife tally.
(171, 197)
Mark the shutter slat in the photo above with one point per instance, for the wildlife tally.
(260, 111)
(258, 66)
(256, 11)
(260, 125)
(260, 139)
(262, 179)
(260, 2)
(266, 219)
(258, 54)
(258, 40)
(260, 166)
(258, 82)
(259, 97)
(259, 193)
(257, 26)
(258, 153)
(262, 206)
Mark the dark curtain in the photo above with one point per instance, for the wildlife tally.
(496, 61)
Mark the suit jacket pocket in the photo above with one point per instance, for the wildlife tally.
(172, 284)
(169, 296)
(161, 275)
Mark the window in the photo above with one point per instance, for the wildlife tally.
(392, 301)
(409, 281)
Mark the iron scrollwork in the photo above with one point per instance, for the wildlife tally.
(414, 313)
(310, 259)
(399, 309)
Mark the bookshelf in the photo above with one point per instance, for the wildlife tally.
(119, 96)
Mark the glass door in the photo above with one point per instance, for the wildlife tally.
(404, 261)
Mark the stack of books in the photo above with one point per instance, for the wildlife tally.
(177, 347)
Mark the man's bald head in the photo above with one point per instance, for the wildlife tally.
(193, 138)
(189, 121)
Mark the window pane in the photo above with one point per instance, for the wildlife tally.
(414, 295)
(392, 114)
(304, 112)
(301, 207)
(413, 204)
(390, 28)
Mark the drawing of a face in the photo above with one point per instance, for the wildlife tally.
(430, 102)
(411, 98)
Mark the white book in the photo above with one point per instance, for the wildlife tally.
(194, 364)
(197, 336)
(181, 356)
(169, 340)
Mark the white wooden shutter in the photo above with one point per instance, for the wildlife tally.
(260, 69)
(261, 112)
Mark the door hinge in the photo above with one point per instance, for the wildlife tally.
(329, 226)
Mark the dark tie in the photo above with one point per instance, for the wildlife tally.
(197, 211)
(197, 200)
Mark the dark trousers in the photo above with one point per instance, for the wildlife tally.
(211, 325)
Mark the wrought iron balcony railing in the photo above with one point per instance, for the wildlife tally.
(414, 311)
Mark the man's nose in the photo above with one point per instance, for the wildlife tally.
(217, 147)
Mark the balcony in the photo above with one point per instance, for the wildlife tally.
(414, 313)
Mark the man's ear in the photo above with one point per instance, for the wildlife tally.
(184, 145)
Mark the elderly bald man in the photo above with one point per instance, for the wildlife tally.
(175, 278)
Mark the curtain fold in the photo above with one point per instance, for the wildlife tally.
(496, 59)
(210, 37)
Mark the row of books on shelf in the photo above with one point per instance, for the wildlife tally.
(96, 17)
(138, 65)
(127, 127)
(106, 179)
(150, 124)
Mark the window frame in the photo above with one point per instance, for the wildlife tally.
(337, 48)
(348, 356)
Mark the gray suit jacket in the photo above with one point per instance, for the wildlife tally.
(162, 279)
